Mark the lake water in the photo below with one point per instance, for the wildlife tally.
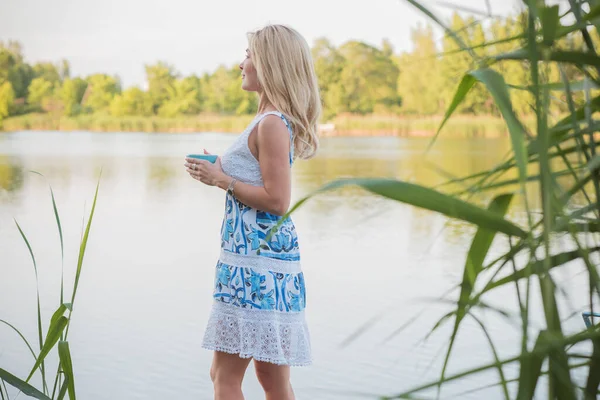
(371, 265)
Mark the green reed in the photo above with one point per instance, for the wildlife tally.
(56, 337)
(542, 151)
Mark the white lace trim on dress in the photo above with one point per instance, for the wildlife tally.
(259, 263)
(278, 338)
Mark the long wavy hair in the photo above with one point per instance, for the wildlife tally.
(286, 75)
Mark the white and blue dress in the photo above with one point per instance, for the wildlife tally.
(259, 294)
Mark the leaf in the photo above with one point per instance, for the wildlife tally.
(22, 337)
(83, 244)
(67, 366)
(593, 380)
(538, 267)
(594, 163)
(563, 56)
(480, 246)
(594, 12)
(543, 349)
(422, 197)
(54, 332)
(531, 367)
(550, 23)
(22, 386)
(59, 313)
(495, 84)
(575, 86)
(464, 87)
(63, 390)
(558, 366)
(60, 234)
(503, 381)
(37, 289)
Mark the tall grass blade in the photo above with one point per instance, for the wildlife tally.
(464, 87)
(39, 311)
(422, 197)
(593, 380)
(67, 366)
(561, 56)
(531, 367)
(63, 389)
(53, 335)
(494, 82)
(22, 386)
(550, 23)
(83, 245)
(480, 246)
(60, 234)
(542, 349)
(539, 267)
(22, 337)
(503, 381)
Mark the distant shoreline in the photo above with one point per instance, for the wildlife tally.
(341, 126)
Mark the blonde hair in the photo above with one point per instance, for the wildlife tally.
(286, 74)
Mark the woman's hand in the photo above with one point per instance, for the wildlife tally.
(206, 172)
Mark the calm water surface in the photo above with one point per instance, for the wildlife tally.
(371, 265)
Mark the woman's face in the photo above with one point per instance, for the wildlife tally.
(249, 75)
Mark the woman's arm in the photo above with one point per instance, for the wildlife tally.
(273, 143)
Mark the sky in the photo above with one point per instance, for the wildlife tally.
(119, 37)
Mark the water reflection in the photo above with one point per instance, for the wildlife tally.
(11, 174)
(155, 239)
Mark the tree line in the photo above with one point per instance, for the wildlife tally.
(354, 78)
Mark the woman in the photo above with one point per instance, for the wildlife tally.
(259, 295)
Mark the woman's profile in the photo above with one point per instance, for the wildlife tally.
(259, 293)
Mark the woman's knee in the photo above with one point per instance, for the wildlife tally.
(272, 377)
(227, 370)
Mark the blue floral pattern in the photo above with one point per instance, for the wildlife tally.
(258, 310)
(247, 288)
(245, 231)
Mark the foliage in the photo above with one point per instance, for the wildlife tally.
(101, 90)
(549, 63)
(7, 98)
(57, 332)
(354, 78)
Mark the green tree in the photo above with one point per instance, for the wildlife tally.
(40, 92)
(101, 90)
(7, 99)
(387, 48)
(64, 70)
(48, 71)
(161, 80)
(368, 79)
(329, 64)
(20, 76)
(224, 93)
(419, 83)
(132, 101)
(7, 62)
(71, 94)
(185, 97)
(13, 69)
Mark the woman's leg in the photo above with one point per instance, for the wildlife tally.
(275, 380)
(227, 372)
